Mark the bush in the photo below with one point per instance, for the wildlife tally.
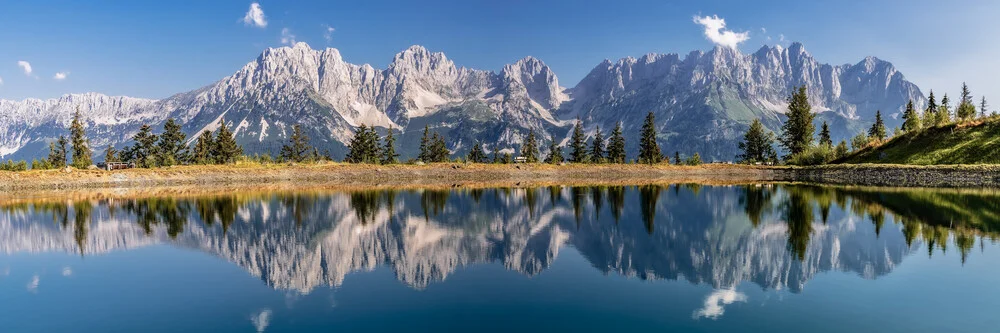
(694, 160)
(814, 155)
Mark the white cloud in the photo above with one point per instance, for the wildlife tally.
(33, 285)
(60, 76)
(1, 80)
(715, 302)
(328, 33)
(255, 16)
(67, 271)
(715, 31)
(25, 66)
(287, 37)
(781, 37)
(261, 320)
(763, 30)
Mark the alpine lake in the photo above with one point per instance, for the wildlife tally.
(657, 258)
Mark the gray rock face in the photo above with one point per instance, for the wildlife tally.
(703, 102)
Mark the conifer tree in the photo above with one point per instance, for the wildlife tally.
(144, 151)
(649, 149)
(439, 149)
(841, 150)
(529, 150)
(203, 149)
(966, 109)
(797, 132)
(363, 147)
(111, 154)
(389, 155)
(943, 114)
(476, 155)
(677, 157)
(555, 154)
(297, 149)
(425, 146)
(171, 149)
(694, 160)
(226, 149)
(877, 131)
(578, 144)
(911, 120)
(757, 144)
(57, 153)
(496, 157)
(824, 136)
(82, 155)
(506, 159)
(983, 108)
(616, 145)
(930, 114)
(597, 147)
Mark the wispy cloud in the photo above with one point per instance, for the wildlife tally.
(61, 76)
(328, 33)
(261, 320)
(1, 80)
(33, 285)
(67, 271)
(255, 16)
(715, 303)
(287, 37)
(715, 31)
(25, 66)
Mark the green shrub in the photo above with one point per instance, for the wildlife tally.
(814, 155)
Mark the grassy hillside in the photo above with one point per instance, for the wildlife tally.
(975, 142)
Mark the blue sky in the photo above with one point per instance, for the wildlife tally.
(155, 49)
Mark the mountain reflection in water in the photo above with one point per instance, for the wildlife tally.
(776, 236)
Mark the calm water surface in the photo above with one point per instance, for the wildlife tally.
(679, 258)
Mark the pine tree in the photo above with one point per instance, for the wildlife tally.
(943, 114)
(616, 145)
(649, 149)
(226, 150)
(57, 153)
(144, 151)
(597, 147)
(82, 155)
(930, 114)
(824, 136)
(111, 154)
(555, 154)
(529, 150)
(496, 158)
(363, 147)
(439, 149)
(966, 109)
(425, 146)
(911, 120)
(203, 149)
(877, 131)
(389, 155)
(171, 148)
(677, 157)
(476, 155)
(841, 150)
(694, 160)
(797, 132)
(578, 144)
(983, 107)
(757, 144)
(297, 149)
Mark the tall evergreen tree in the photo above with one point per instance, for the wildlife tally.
(597, 147)
(943, 114)
(578, 144)
(824, 136)
(529, 150)
(425, 146)
(226, 149)
(677, 158)
(930, 114)
(911, 120)
(757, 144)
(203, 149)
(297, 149)
(877, 131)
(555, 154)
(616, 145)
(797, 132)
(82, 155)
(57, 153)
(389, 155)
(983, 108)
(649, 149)
(171, 149)
(144, 152)
(966, 109)
(363, 147)
(439, 149)
(476, 155)
(111, 155)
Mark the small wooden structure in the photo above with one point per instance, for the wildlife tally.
(116, 166)
(520, 159)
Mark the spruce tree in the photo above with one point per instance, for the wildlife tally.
(911, 120)
(677, 158)
(496, 158)
(649, 149)
(529, 150)
(824, 136)
(797, 132)
(877, 130)
(363, 147)
(616, 145)
(578, 144)
(226, 150)
(555, 154)
(476, 155)
(111, 155)
(930, 114)
(597, 147)
(57, 153)
(982, 107)
(171, 149)
(966, 109)
(297, 149)
(757, 144)
(439, 149)
(425, 146)
(144, 151)
(82, 155)
(203, 149)
(943, 114)
(389, 155)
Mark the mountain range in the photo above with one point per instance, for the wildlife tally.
(702, 101)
